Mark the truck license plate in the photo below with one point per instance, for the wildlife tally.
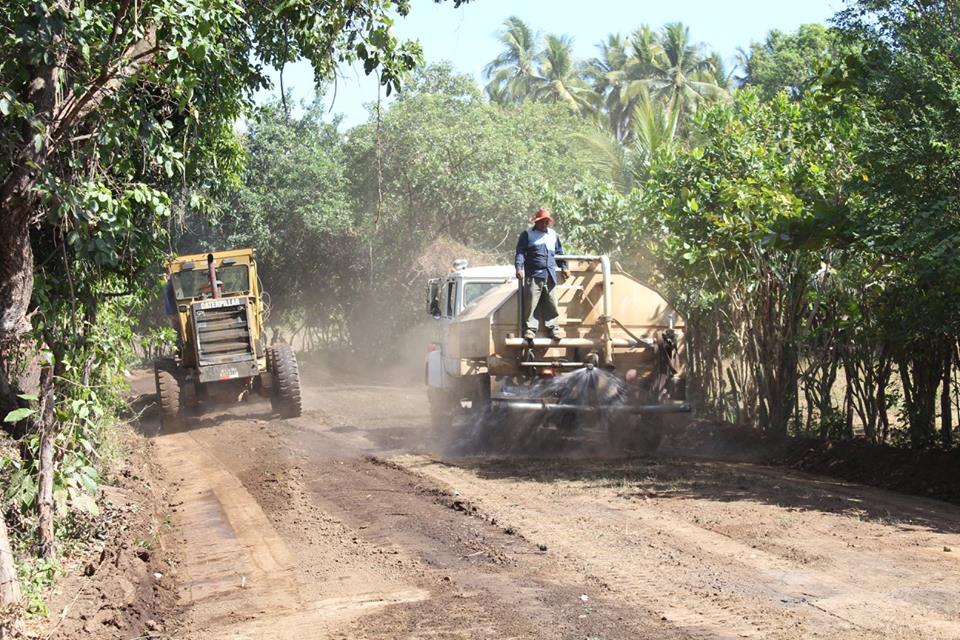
(229, 373)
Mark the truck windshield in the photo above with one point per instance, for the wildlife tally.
(196, 282)
(473, 290)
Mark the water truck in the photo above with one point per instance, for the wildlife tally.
(617, 366)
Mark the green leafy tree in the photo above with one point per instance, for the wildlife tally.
(736, 223)
(788, 61)
(451, 165)
(112, 110)
(292, 205)
(905, 80)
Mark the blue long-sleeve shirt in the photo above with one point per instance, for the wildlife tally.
(537, 253)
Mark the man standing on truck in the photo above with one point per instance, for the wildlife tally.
(536, 262)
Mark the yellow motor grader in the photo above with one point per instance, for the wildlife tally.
(216, 307)
(617, 369)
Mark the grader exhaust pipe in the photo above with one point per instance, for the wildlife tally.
(215, 290)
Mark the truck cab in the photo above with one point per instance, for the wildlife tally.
(447, 298)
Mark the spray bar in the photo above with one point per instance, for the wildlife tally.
(543, 405)
(561, 365)
(578, 343)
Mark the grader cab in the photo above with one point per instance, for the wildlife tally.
(218, 314)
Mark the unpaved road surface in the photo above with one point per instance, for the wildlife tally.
(342, 524)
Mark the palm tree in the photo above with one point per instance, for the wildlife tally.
(509, 73)
(559, 80)
(605, 74)
(654, 131)
(621, 76)
(719, 73)
(626, 164)
(682, 75)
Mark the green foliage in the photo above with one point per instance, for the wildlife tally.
(558, 78)
(116, 115)
(36, 577)
(293, 207)
(737, 226)
(651, 71)
(19, 414)
(510, 72)
(93, 392)
(789, 61)
(454, 164)
(598, 218)
(906, 82)
(450, 165)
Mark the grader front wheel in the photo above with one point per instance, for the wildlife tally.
(285, 397)
(168, 394)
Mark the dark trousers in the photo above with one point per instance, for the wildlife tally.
(538, 294)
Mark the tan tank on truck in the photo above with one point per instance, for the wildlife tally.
(222, 349)
(618, 332)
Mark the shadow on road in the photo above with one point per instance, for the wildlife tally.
(143, 413)
(675, 478)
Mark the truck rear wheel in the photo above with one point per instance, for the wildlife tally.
(285, 397)
(441, 409)
(168, 393)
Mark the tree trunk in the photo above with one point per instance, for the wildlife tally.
(16, 257)
(946, 416)
(9, 587)
(47, 428)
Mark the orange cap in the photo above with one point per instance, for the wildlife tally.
(542, 214)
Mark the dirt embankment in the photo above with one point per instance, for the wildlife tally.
(121, 584)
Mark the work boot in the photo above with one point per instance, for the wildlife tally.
(529, 334)
(555, 334)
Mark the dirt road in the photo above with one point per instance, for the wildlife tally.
(341, 524)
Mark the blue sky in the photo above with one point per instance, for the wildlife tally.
(467, 36)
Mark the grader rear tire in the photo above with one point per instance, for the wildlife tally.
(285, 398)
(168, 393)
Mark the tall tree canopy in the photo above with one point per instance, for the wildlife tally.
(788, 61)
(510, 72)
(109, 107)
(113, 114)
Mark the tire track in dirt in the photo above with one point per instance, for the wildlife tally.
(358, 549)
(709, 583)
(238, 577)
